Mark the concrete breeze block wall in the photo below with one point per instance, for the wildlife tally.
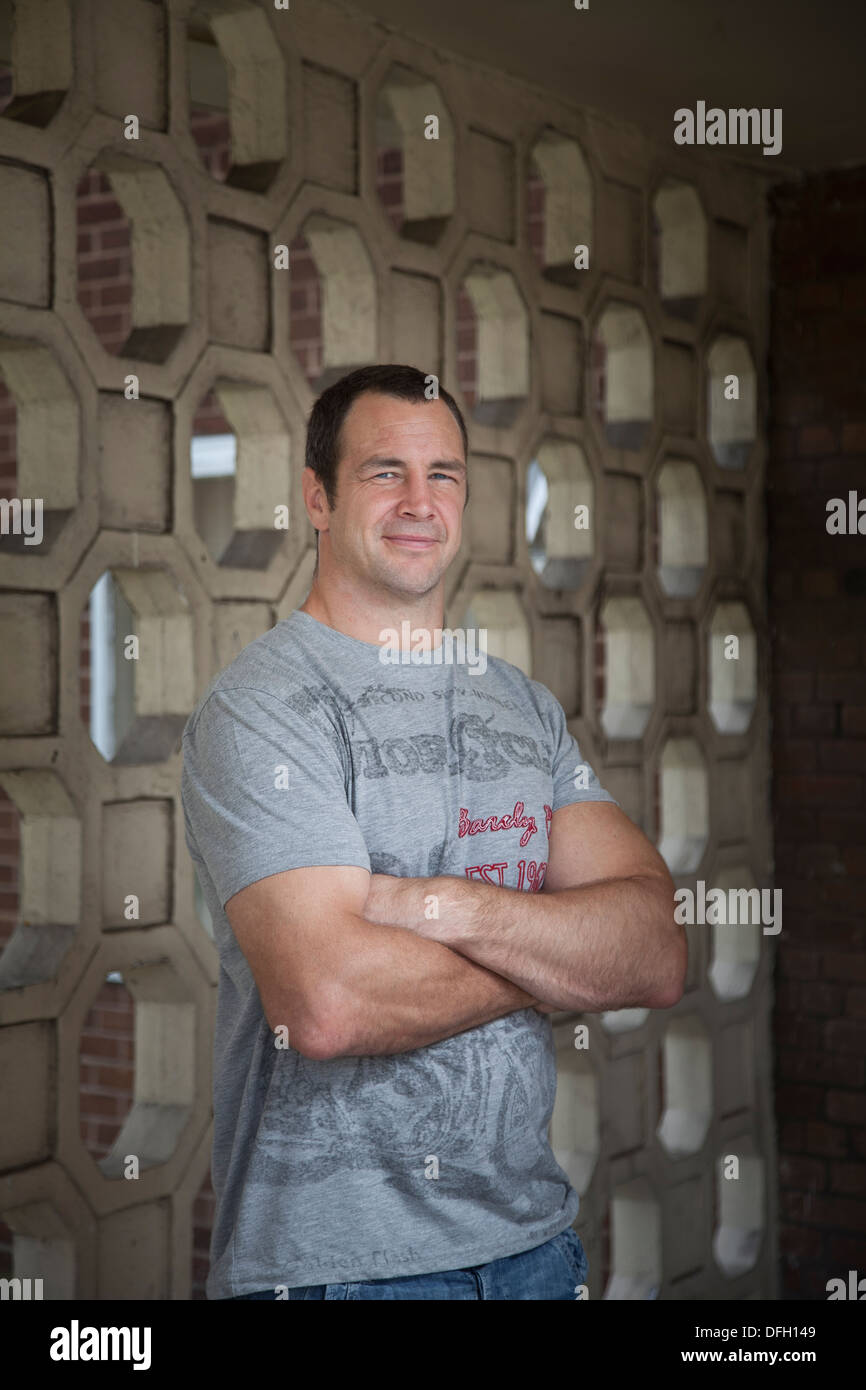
(599, 386)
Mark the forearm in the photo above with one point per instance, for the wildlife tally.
(607, 945)
(399, 991)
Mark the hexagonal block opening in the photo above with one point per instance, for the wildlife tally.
(239, 465)
(736, 941)
(332, 300)
(575, 1125)
(133, 258)
(625, 667)
(679, 248)
(732, 401)
(10, 866)
(137, 856)
(492, 345)
(560, 515)
(686, 1102)
(623, 376)
(559, 207)
(40, 444)
(623, 1020)
(733, 668)
(40, 1252)
(41, 876)
(636, 1242)
(137, 1059)
(681, 532)
(740, 1208)
(35, 73)
(136, 682)
(208, 96)
(499, 627)
(237, 94)
(106, 1066)
(415, 177)
(684, 824)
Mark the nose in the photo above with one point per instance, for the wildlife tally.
(416, 497)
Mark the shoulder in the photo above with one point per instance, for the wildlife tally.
(260, 676)
(530, 696)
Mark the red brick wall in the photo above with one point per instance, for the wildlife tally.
(535, 209)
(817, 588)
(9, 853)
(389, 184)
(106, 1068)
(8, 443)
(104, 261)
(305, 309)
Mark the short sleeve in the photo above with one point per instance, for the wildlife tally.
(263, 791)
(573, 778)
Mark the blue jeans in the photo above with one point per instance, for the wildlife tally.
(551, 1271)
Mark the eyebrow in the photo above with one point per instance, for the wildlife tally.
(377, 460)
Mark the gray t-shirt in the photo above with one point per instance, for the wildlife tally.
(308, 750)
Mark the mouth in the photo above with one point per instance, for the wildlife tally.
(412, 542)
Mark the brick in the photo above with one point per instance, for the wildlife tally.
(844, 1212)
(855, 1003)
(838, 754)
(830, 1069)
(844, 1253)
(797, 1032)
(846, 895)
(813, 440)
(814, 929)
(800, 1242)
(854, 859)
(819, 789)
(837, 965)
(817, 295)
(842, 826)
(854, 438)
(820, 998)
(854, 720)
(849, 687)
(846, 1035)
(849, 1107)
(806, 1173)
(793, 687)
(819, 584)
(794, 408)
(848, 1179)
(814, 719)
(797, 964)
(794, 755)
(791, 1137)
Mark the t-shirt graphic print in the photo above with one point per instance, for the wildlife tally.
(309, 750)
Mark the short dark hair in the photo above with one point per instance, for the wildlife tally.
(331, 408)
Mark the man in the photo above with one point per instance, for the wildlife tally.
(408, 867)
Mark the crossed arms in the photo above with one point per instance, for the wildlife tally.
(355, 964)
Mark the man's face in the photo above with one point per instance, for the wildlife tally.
(401, 490)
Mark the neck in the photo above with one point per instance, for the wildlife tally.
(365, 614)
